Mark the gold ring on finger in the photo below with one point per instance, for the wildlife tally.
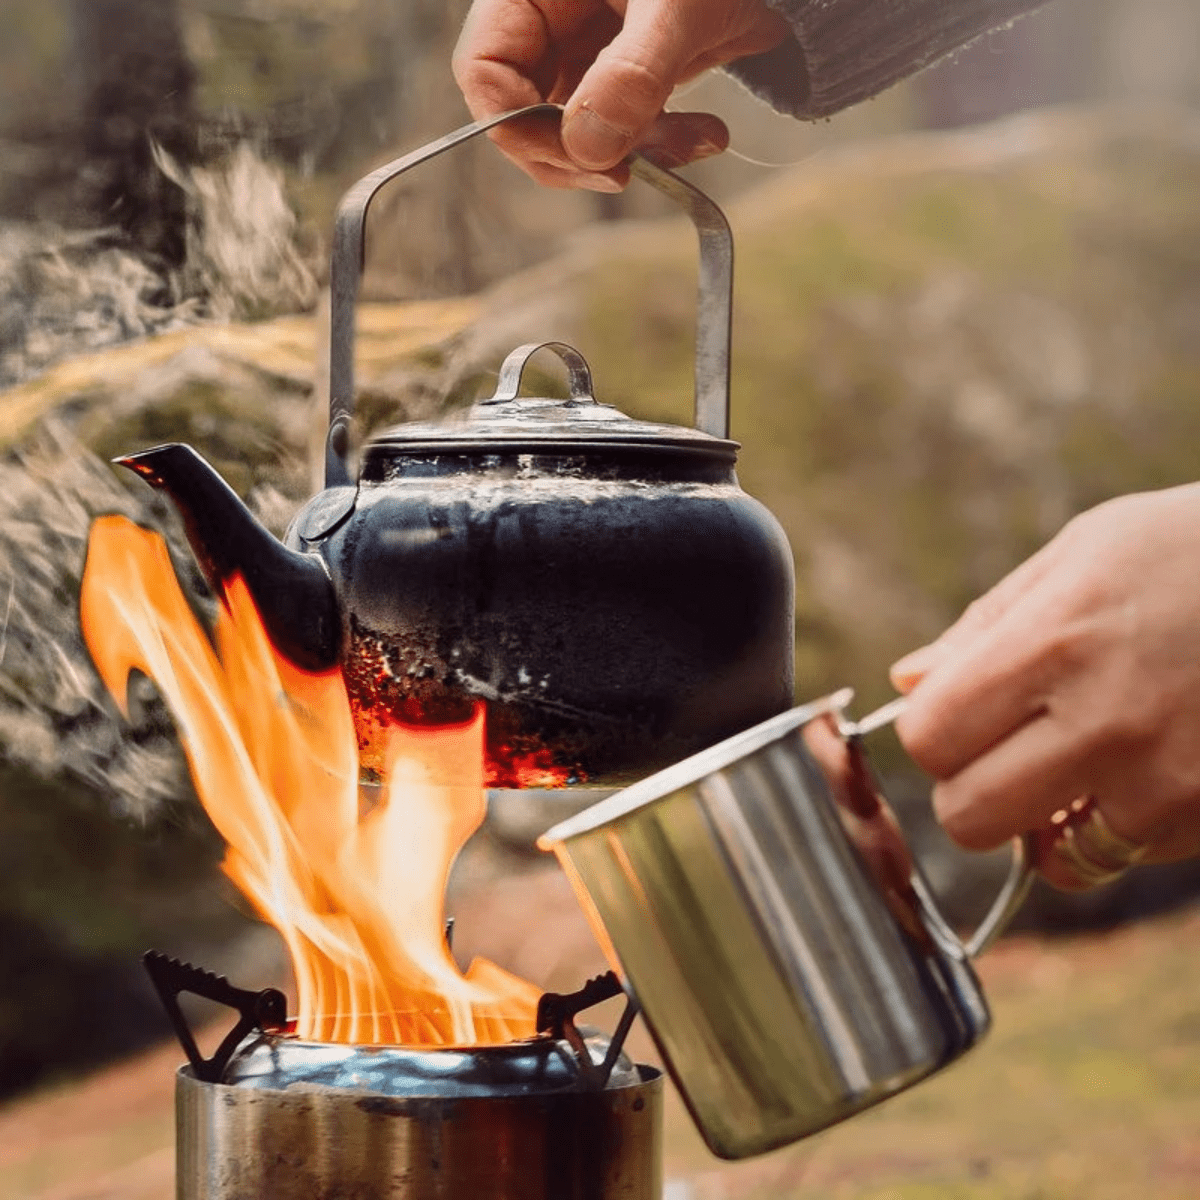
(1090, 847)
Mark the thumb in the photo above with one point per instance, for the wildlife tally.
(627, 86)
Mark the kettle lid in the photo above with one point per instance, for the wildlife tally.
(510, 423)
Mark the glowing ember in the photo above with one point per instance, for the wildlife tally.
(533, 769)
(355, 889)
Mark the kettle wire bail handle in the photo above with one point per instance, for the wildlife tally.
(714, 302)
(345, 274)
(579, 374)
(714, 313)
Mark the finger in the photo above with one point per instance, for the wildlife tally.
(1051, 865)
(533, 144)
(1174, 843)
(1054, 861)
(500, 50)
(905, 673)
(1018, 785)
(551, 176)
(979, 616)
(675, 139)
(626, 88)
(998, 681)
(494, 63)
(513, 53)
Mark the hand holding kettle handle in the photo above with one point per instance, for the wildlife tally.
(715, 287)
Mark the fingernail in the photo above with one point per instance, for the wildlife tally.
(945, 810)
(600, 183)
(664, 156)
(906, 672)
(956, 814)
(591, 141)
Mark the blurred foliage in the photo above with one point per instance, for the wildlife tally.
(83, 893)
(311, 74)
(943, 349)
(33, 48)
(322, 82)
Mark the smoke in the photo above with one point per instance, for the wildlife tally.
(65, 292)
(242, 254)
(55, 718)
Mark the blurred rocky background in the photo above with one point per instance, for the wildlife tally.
(965, 311)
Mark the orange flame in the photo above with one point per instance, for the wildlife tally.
(355, 889)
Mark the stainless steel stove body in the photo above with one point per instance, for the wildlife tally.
(296, 1119)
(562, 1116)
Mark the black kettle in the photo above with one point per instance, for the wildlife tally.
(602, 584)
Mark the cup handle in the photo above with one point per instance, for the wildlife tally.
(1012, 896)
(1020, 873)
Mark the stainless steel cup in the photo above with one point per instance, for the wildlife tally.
(785, 949)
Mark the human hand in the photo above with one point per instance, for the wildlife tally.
(613, 64)
(1077, 675)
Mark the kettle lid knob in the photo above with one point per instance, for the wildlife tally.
(579, 374)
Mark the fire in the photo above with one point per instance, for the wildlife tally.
(355, 888)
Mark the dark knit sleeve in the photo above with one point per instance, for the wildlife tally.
(844, 51)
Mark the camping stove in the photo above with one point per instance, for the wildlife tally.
(563, 1116)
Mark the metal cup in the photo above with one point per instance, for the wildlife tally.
(786, 951)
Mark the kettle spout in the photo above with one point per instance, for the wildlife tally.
(292, 591)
